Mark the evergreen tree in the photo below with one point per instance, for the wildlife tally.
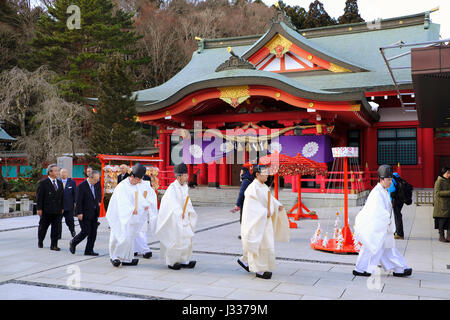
(351, 13)
(296, 14)
(317, 16)
(76, 54)
(114, 127)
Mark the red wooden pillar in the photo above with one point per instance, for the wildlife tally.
(370, 147)
(213, 174)
(428, 157)
(163, 154)
(190, 172)
(203, 174)
(223, 173)
(275, 177)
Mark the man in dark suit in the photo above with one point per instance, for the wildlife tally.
(89, 198)
(50, 202)
(123, 173)
(70, 196)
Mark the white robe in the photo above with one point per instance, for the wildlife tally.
(375, 228)
(141, 241)
(175, 233)
(258, 232)
(124, 225)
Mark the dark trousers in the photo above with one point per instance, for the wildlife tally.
(68, 218)
(45, 221)
(89, 230)
(397, 207)
(240, 216)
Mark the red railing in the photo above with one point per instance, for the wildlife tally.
(333, 182)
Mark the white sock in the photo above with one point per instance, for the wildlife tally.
(260, 273)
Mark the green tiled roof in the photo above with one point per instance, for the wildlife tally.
(4, 136)
(359, 48)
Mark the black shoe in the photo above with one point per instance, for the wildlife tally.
(91, 253)
(98, 223)
(147, 255)
(136, 254)
(239, 237)
(40, 244)
(189, 265)
(72, 247)
(265, 275)
(54, 248)
(133, 262)
(362, 274)
(73, 233)
(243, 265)
(115, 262)
(176, 266)
(405, 273)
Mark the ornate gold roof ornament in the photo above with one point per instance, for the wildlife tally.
(235, 62)
(234, 96)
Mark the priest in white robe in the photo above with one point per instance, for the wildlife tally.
(176, 222)
(375, 228)
(264, 220)
(141, 243)
(126, 215)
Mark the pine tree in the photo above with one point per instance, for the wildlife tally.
(113, 129)
(76, 54)
(317, 16)
(351, 13)
(298, 16)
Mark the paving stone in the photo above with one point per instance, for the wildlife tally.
(244, 294)
(321, 291)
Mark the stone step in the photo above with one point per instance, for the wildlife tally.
(227, 196)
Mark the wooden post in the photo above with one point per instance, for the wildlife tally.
(299, 193)
(346, 232)
(275, 177)
(102, 184)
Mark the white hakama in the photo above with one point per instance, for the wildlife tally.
(125, 225)
(176, 224)
(141, 242)
(258, 232)
(375, 228)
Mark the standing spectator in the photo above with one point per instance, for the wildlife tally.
(123, 173)
(441, 212)
(88, 211)
(400, 192)
(70, 196)
(50, 202)
(88, 171)
(246, 179)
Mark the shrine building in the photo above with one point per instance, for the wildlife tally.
(315, 88)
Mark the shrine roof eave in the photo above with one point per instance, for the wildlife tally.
(240, 77)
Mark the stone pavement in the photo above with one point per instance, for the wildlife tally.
(27, 272)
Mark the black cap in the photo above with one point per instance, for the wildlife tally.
(180, 168)
(384, 171)
(138, 171)
(257, 169)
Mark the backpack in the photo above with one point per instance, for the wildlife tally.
(403, 191)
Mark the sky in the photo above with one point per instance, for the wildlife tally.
(374, 9)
